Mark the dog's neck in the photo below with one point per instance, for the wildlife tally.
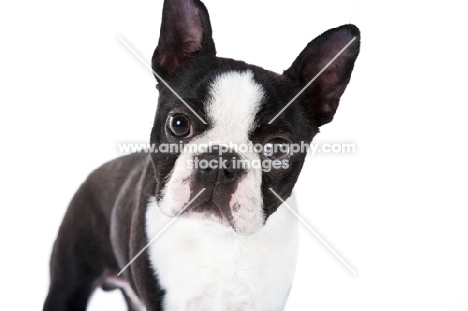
(253, 272)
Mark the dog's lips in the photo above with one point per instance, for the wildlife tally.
(205, 207)
(208, 211)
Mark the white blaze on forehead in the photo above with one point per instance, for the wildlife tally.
(234, 100)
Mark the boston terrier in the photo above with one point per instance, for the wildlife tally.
(201, 232)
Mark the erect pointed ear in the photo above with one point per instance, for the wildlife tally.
(323, 94)
(185, 33)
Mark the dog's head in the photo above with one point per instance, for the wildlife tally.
(215, 114)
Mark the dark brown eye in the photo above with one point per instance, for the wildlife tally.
(179, 125)
(277, 149)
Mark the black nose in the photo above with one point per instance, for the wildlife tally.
(225, 168)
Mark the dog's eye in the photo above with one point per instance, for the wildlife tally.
(277, 149)
(179, 125)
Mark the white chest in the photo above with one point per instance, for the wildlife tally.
(203, 268)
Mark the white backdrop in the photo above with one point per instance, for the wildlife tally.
(396, 210)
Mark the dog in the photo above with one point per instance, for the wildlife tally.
(224, 241)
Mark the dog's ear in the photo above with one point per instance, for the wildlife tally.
(185, 33)
(323, 94)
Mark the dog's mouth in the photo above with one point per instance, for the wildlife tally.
(231, 205)
(208, 207)
(210, 213)
(212, 208)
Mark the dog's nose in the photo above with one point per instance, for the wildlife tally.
(225, 168)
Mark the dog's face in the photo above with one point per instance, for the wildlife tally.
(220, 138)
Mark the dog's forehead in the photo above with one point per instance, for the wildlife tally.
(234, 99)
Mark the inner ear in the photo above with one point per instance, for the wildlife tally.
(185, 33)
(323, 95)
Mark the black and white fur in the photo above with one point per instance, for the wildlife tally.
(235, 247)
